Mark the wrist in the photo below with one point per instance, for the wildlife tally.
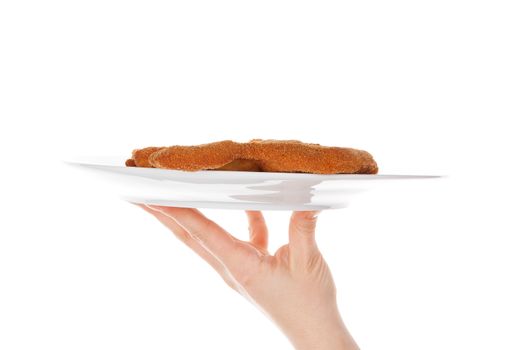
(326, 331)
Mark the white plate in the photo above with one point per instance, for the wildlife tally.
(234, 189)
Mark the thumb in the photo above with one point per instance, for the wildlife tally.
(302, 234)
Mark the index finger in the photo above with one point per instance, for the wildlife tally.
(211, 236)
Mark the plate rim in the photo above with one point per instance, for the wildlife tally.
(258, 174)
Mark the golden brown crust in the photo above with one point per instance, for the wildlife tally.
(259, 155)
(277, 156)
(141, 156)
(192, 158)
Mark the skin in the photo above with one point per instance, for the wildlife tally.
(293, 287)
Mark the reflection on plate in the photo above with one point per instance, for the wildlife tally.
(234, 189)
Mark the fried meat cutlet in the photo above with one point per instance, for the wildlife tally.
(141, 156)
(258, 155)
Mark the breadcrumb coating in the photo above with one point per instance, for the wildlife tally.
(258, 155)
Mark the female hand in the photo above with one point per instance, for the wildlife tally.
(294, 287)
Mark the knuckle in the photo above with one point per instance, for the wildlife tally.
(246, 276)
(246, 280)
(184, 236)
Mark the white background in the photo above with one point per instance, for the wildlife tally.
(426, 87)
